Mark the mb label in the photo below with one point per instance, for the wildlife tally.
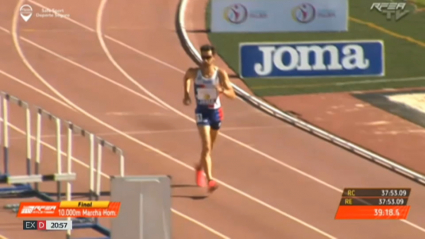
(311, 59)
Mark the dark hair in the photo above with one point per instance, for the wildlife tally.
(208, 48)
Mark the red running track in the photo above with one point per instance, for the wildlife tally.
(277, 181)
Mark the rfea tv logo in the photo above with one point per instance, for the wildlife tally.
(37, 210)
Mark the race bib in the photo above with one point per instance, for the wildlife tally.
(207, 94)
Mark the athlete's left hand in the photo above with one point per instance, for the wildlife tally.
(187, 100)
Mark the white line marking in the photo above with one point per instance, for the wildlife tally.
(395, 132)
(102, 43)
(87, 69)
(49, 146)
(155, 149)
(359, 82)
(374, 123)
(201, 224)
(123, 113)
(37, 90)
(141, 132)
(14, 33)
(177, 161)
(16, 43)
(48, 30)
(32, 87)
(418, 78)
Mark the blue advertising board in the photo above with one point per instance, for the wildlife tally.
(312, 59)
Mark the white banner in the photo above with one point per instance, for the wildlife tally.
(279, 15)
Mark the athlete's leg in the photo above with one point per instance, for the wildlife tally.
(215, 124)
(203, 124)
(217, 117)
(205, 161)
(213, 137)
(212, 185)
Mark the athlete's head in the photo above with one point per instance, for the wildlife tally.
(207, 54)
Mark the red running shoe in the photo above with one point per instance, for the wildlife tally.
(212, 186)
(200, 178)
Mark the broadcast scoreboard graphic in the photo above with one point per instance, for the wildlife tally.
(374, 203)
(49, 225)
(66, 209)
(94, 209)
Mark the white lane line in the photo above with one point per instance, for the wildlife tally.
(133, 113)
(103, 45)
(21, 54)
(36, 90)
(32, 87)
(143, 132)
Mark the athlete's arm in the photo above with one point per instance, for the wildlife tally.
(188, 77)
(226, 85)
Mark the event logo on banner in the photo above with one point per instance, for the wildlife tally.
(312, 59)
(304, 13)
(236, 13)
(279, 15)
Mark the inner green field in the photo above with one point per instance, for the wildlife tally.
(404, 43)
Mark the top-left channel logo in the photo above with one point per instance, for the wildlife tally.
(26, 12)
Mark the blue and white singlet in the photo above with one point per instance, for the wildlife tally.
(206, 90)
(208, 106)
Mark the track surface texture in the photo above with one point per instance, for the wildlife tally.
(276, 181)
(361, 123)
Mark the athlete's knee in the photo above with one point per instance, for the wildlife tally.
(206, 148)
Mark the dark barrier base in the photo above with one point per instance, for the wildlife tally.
(16, 189)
